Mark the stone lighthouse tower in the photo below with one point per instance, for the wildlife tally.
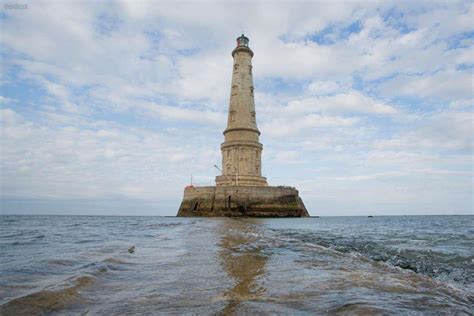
(241, 150)
(241, 190)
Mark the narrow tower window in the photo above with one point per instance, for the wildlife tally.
(232, 116)
(234, 90)
(250, 69)
(253, 116)
(251, 91)
(236, 67)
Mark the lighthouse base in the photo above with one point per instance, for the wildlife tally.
(242, 201)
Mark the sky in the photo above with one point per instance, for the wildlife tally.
(108, 108)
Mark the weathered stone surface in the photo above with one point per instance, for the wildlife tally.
(241, 150)
(238, 201)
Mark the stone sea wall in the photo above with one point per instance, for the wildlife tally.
(250, 201)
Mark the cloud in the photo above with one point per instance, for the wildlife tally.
(72, 162)
(319, 87)
(174, 113)
(349, 102)
(460, 104)
(287, 157)
(444, 131)
(4, 100)
(8, 116)
(291, 126)
(448, 85)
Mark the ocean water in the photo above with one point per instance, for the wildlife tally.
(92, 265)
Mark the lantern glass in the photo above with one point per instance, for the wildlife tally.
(242, 41)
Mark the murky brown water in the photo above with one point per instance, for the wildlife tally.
(236, 266)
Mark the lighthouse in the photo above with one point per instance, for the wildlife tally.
(241, 150)
(241, 190)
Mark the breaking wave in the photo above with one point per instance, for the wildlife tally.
(456, 269)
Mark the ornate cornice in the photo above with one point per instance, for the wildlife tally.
(240, 143)
(242, 49)
(242, 129)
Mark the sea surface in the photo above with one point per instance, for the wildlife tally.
(93, 265)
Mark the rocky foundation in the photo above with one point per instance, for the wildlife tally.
(242, 201)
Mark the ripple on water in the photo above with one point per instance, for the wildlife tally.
(213, 266)
(62, 262)
(48, 300)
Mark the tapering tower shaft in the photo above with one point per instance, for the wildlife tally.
(241, 150)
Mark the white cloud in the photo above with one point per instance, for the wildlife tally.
(447, 85)
(462, 103)
(72, 162)
(8, 116)
(287, 157)
(5, 100)
(440, 19)
(451, 131)
(291, 126)
(320, 87)
(348, 102)
(174, 113)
